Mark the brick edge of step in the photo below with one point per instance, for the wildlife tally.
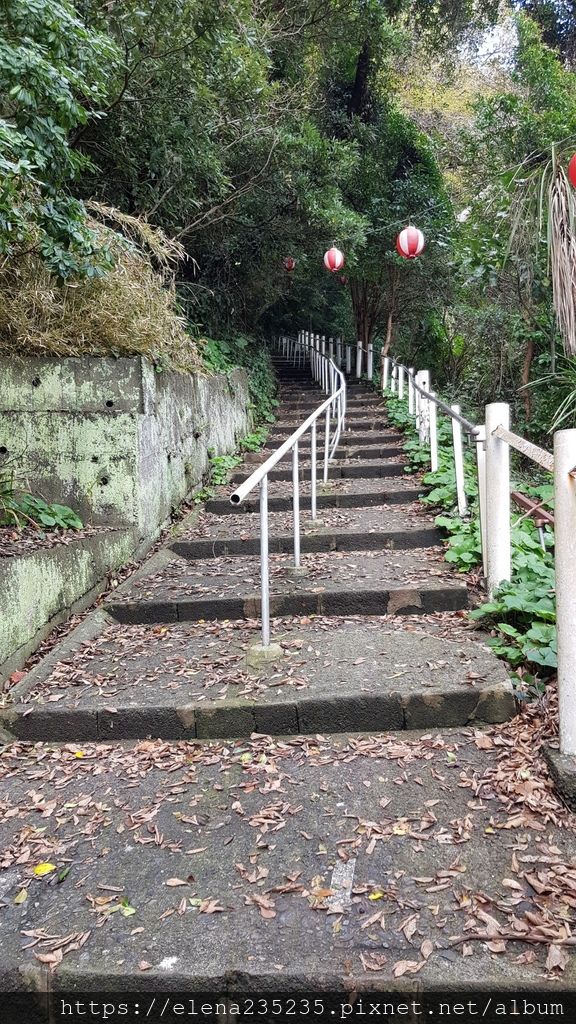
(391, 540)
(403, 600)
(372, 713)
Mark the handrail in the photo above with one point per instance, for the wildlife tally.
(304, 348)
(538, 455)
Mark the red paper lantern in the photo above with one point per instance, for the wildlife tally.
(572, 170)
(410, 242)
(334, 259)
(289, 263)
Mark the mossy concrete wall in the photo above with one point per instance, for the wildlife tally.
(117, 441)
(40, 589)
(122, 445)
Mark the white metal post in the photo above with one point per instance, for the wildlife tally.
(565, 558)
(359, 359)
(432, 423)
(264, 564)
(339, 352)
(480, 439)
(370, 362)
(385, 372)
(411, 391)
(331, 348)
(424, 407)
(296, 504)
(326, 444)
(323, 353)
(400, 382)
(497, 498)
(348, 359)
(313, 470)
(393, 378)
(459, 462)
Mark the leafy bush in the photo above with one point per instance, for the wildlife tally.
(522, 613)
(53, 71)
(252, 354)
(20, 510)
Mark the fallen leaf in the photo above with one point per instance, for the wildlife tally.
(44, 869)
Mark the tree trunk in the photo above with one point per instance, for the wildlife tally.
(389, 326)
(366, 305)
(526, 367)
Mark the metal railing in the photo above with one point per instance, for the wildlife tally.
(493, 441)
(305, 349)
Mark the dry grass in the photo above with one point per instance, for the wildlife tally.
(130, 311)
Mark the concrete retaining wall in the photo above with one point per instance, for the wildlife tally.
(122, 445)
(40, 589)
(118, 442)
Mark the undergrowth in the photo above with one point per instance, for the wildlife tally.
(20, 509)
(522, 613)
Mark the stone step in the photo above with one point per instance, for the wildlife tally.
(349, 492)
(334, 583)
(361, 847)
(188, 680)
(347, 440)
(360, 424)
(367, 529)
(339, 469)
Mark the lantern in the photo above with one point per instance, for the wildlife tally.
(343, 279)
(410, 242)
(333, 259)
(289, 263)
(572, 170)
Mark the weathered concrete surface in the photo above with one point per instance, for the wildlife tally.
(336, 530)
(41, 588)
(117, 441)
(196, 680)
(331, 863)
(334, 583)
(562, 768)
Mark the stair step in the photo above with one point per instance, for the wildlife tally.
(352, 492)
(335, 583)
(187, 680)
(337, 470)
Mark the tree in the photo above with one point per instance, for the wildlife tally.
(53, 73)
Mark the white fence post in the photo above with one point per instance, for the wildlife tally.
(411, 392)
(424, 428)
(400, 382)
(370, 362)
(359, 359)
(348, 359)
(480, 439)
(565, 559)
(339, 352)
(497, 498)
(432, 422)
(385, 372)
(459, 462)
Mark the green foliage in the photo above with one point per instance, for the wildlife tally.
(22, 509)
(522, 613)
(221, 467)
(53, 72)
(252, 354)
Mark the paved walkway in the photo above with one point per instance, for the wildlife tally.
(368, 810)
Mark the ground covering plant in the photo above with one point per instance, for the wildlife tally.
(522, 613)
(20, 509)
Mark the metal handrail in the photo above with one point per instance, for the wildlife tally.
(324, 371)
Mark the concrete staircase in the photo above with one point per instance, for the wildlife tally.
(352, 826)
(371, 627)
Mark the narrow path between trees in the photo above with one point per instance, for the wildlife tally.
(358, 795)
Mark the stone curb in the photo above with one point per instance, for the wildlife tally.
(369, 499)
(396, 540)
(489, 705)
(395, 601)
